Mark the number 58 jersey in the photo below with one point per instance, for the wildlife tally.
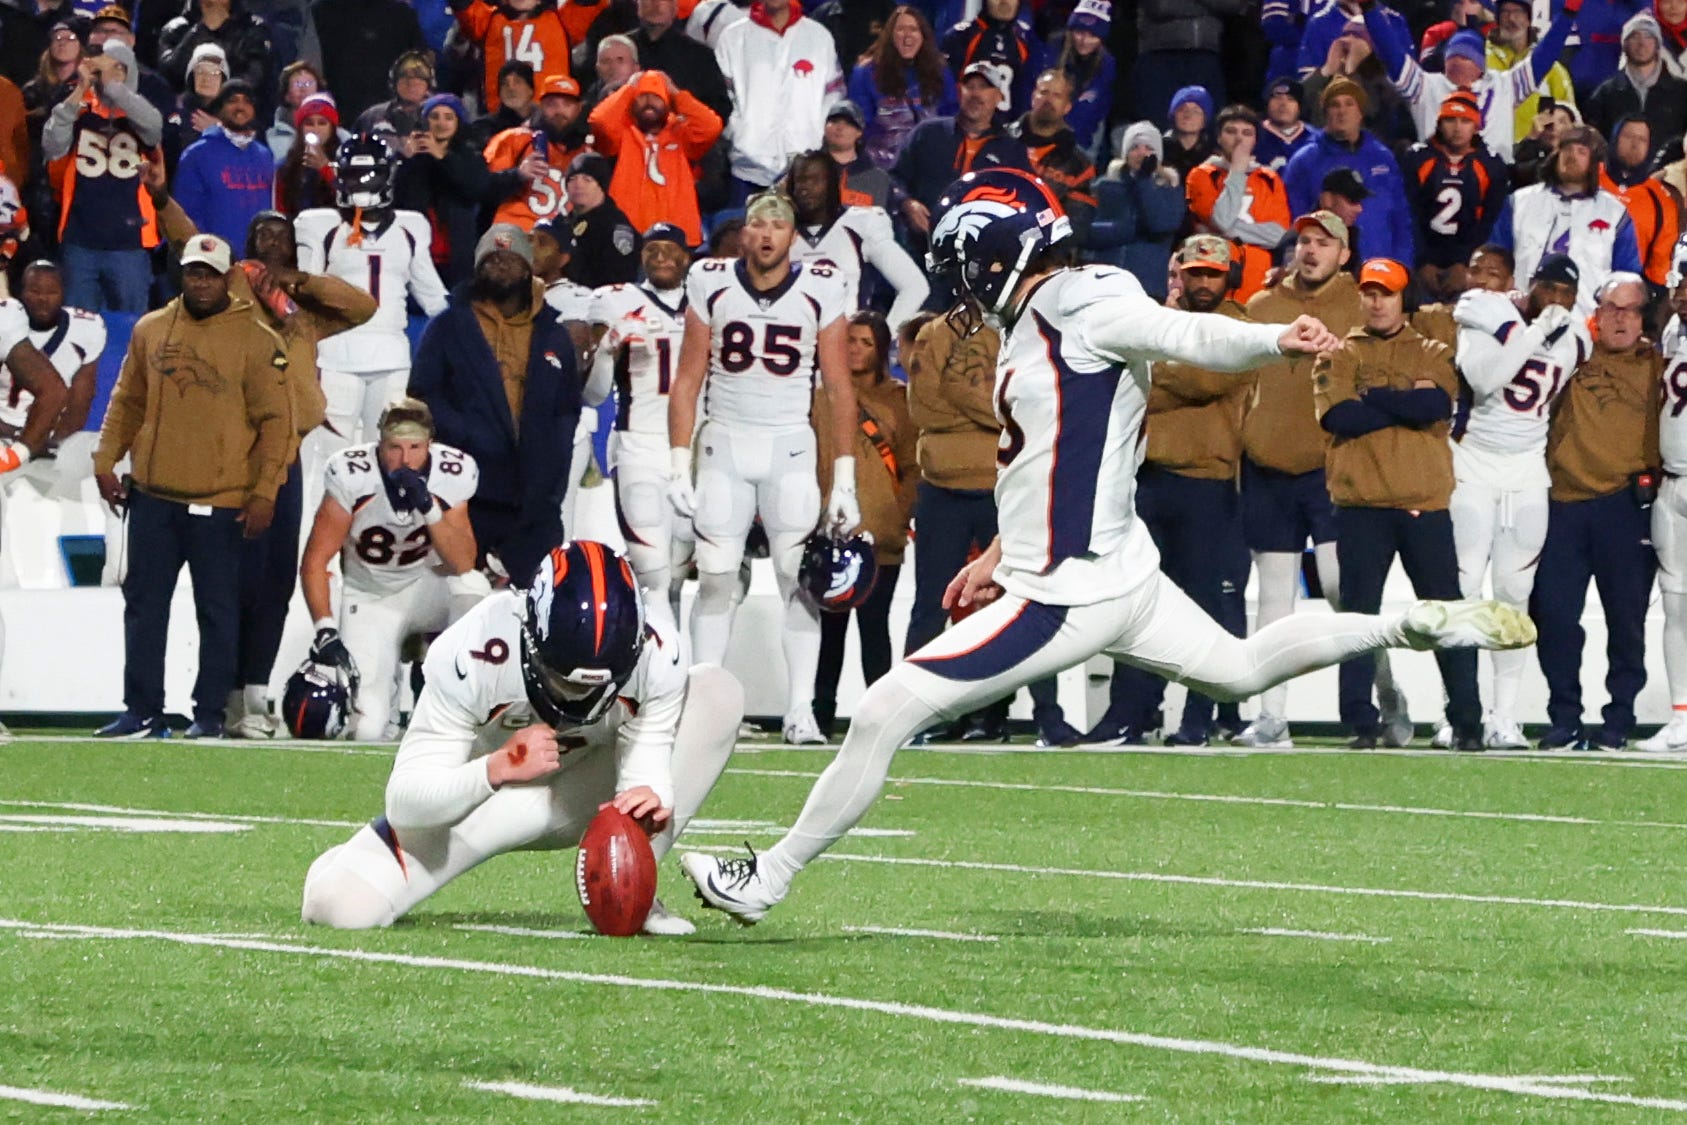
(386, 550)
(762, 350)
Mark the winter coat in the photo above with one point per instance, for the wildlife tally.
(221, 185)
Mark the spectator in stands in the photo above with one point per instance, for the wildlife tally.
(1351, 57)
(527, 30)
(1604, 432)
(902, 82)
(1535, 152)
(1087, 61)
(1458, 189)
(654, 132)
(1189, 140)
(16, 144)
(1343, 195)
(192, 115)
(306, 176)
(1509, 43)
(497, 369)
(1335, 20)
(1603, 29)
(605, 242)
(445, 178)
(1054, 151)
(412, 82)
(1282, 133)
(299, 82)
(244, 38)
(1235, 197)
(112, 22)
(202, 407)
(663, 45)
(617, 61)
(529, 164)
(1672, 22)
(782, 69)
(105, 221)
(1569, 213)
(1642, 85)
(1001, 35)
(56, 76)
(1655, 212)
(886, 474)
(864, 184)
(26, 31)
(1385, 230)
(1140, 207)
(944, 148)
(519, 97)
(1178, 45)
(228, 175)
(360, 41)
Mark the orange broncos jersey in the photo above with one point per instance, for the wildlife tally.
(1268, 202)
(540, 39)
(544, 198)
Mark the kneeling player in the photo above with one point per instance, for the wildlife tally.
(540, 706)
(396, 513)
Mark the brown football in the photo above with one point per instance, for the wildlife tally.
(615, 873)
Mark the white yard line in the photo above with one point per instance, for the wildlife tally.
(353, 749)
(897, 1010)
(520, 931)
(941, 935)
(73, 806)
(1233, 799)
(1317, 935)
(26, 822)
(1679, 935)
(53, 1098)
(556, 1094)
(1043, 1090)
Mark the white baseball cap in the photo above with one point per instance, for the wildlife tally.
(208, 249)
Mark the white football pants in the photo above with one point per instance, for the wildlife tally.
(1498, 534)
(1669, 538)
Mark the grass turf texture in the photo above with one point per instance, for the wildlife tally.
(1490, 990)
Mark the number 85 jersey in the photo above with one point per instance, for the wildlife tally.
(385, 550)
(762, 362)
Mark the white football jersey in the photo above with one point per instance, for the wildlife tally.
(857, 238)
(1672, 424)
(649, 325)
(77, 339)
(762, 361)
(570, 300)
(392, 263)
(1072, 382)
(475, 698)
(387, 550)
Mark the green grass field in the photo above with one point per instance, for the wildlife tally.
(1287, 937)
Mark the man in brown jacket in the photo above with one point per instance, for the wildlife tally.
(1602, 452)
(202, 408)
(1285, 500)
(1385, 397)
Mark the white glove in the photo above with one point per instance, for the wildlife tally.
(681, 493)
(1482, 311)
(13, 455)
(1552, 318)
(843, 511)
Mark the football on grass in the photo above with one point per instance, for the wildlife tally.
(615, 873)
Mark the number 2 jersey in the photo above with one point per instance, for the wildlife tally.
(762, 364)
(77, 338)
(392, 261)
(386, 550)
(649, 325)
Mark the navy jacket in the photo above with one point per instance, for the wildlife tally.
(521, 483)
(935, 157)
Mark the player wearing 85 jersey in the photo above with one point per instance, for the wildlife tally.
(396, 513)
(758, 329)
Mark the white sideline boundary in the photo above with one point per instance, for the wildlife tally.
(1497, 1083)
(556, 1094)
(1044, 1090)
(57, 1100)
(1235, 799)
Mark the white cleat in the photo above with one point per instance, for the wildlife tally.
(253, 726)
(1443, 739)
(732, 886)
(1467, 624)
(802, 730)
(1505, 734)
(1267, 732)
(661, 922)
(1670, 740)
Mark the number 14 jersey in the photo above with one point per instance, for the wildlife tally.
(762, 350)
(385, 550)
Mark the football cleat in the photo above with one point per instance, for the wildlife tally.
(660, 922)
(131, 726)
(1397, 728)
(206, 729)
(1505, 734)
(1443, 739)
(254, 727)
(1267, 732)
(1670, 739)
(802, 730)
(732, 886)
(1470, 623)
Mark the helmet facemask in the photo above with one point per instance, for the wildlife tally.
(564, 700)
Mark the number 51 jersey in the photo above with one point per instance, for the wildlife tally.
(762, 361)
(385, 550)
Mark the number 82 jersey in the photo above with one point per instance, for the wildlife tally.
(385, 550)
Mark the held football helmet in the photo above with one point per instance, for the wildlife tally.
(582, 633)
(317, 702)
(364, 172)
(838, 572)
(987, 227)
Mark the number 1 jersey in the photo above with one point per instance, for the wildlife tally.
(385, 550)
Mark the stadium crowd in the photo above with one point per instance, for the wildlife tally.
(1485, 199)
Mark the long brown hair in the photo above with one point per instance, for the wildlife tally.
(888, 66)
(874, 322)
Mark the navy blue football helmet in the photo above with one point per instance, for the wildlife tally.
(364, 174)
(582, 633)
(987, 228)
(838, 572)
(318, 699)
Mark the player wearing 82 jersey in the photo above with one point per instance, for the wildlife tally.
(396, 514)
(758, 329)
(1513, 372)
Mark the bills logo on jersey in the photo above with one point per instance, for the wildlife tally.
(803, 68)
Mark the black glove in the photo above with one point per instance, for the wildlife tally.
(410, 491)
(328, 649)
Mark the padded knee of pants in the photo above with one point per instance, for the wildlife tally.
(341, 900)
(715, 592)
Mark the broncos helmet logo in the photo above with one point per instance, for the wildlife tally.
(960, 227)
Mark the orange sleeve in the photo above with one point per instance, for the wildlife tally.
(1271, 199)
(476, 20)
(575, 18)
(505, 150)
(1202, 192)
(1669, 229)
(699, 125)
(609, 120)
(552, 34)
